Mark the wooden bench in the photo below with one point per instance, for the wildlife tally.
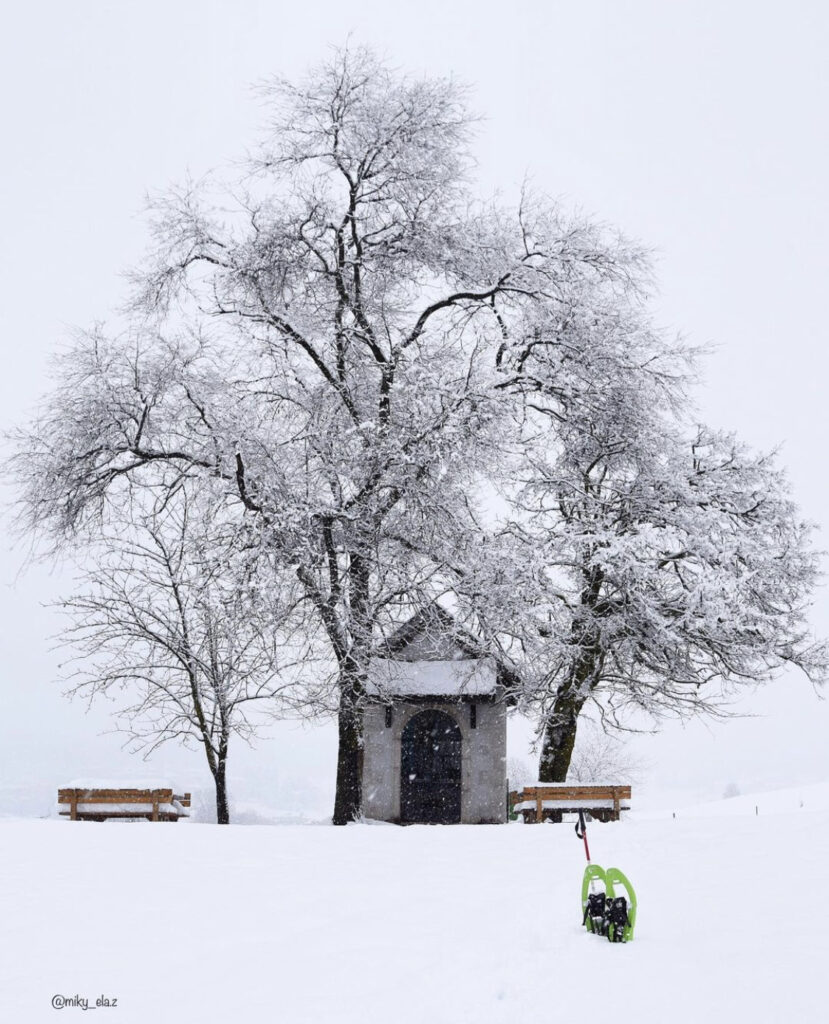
(549, 801)
(103, 804)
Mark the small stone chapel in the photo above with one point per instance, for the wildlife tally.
(435, 732)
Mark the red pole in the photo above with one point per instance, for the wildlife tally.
(582, 834)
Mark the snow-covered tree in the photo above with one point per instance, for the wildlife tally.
(602, 757)
(350, 352)
(321, 342)
(676, 563)
(519, 773)
(173, 626)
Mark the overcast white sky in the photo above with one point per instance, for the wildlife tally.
(699, 127)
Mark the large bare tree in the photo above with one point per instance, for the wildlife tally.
(174, 626)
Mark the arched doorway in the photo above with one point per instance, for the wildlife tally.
(430, 770)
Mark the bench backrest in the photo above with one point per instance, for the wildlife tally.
(558, 791)
(121, 796)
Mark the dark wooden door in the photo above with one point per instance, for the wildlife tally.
(430, 764)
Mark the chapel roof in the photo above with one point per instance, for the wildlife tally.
(431, 655)
(431, 634)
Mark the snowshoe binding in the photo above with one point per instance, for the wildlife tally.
(593, 898)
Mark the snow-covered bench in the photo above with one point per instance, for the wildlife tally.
(96, 802)
(547, 801)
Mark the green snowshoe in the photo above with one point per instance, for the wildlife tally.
(593, 898)
(620, 908)
(604, 910)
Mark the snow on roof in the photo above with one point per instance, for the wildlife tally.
(432, 634)
(472, 677)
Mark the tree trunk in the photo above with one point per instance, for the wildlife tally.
(559, 739)
(222, 808)
(348, 800)
(562, 722)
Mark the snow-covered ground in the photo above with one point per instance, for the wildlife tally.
(813, 797)
(367, 924)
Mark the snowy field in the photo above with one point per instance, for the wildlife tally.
(441, 925)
